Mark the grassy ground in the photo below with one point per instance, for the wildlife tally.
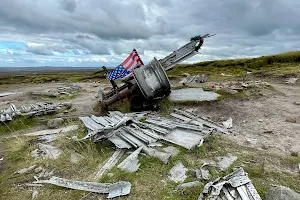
(273, 67)
(151, 181)
(17, 124)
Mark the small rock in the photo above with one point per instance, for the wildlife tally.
(294, 151)
(26, 170)
(226, 161)
(178, 172)
(260, 120)
(282, 193)
(291, 119)
(251, 141)
(171, 150)
(297, 103)
(55, 123)
(269, 132)
(189, 184)
(110, 175)
(230, 91)
(38, 170)
(34, 194)
(202, 174)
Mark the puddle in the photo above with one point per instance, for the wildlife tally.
(193, 94)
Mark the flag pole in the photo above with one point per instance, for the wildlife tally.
(138, 56)
(113, 83)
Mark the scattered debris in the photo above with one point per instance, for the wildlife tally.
(46, 151)
(8, 94)
(108, 164)
(194, 79)
(202, 174)
(178, 173)
(34, 194)
(227, 124)
(281, 193)
(189, 184)
(171, 150)
(164, 157)
(242, 85)
(31, 110)
(251, 141)
(126, 132)
(226, 161)
(54, 131)
(297, 103)
(55, 123)
(131, 163)
(222, 74)
(26, 170)
(193, 94)
(239, 187)
(114, 190)
(291, 119)
(64, 90)
(291, 80)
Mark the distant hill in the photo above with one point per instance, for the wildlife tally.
(47, 69)
(268, 66)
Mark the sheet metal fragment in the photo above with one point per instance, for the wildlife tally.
(131, 163)
(108, 164)
(114, 190)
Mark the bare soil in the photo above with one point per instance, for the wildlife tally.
(261, 122)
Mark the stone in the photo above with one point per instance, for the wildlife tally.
(202, 174)
(297, 103)
(178, 173)
(171, 150)
(55, 123)
(291, 119)
(34, 194)
(226, 161)
(282, 193)
(189, 184)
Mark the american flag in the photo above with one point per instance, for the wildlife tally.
(126, 67)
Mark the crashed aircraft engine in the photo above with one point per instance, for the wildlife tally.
(148, 84)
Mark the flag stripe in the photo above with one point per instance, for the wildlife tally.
(127, 65)
(127, 59)
(130, 66)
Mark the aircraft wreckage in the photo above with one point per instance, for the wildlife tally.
(146, 85)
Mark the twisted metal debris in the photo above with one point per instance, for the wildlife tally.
(236, 185)
(30, 110)
(126, 131)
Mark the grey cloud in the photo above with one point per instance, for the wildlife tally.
(82, 27)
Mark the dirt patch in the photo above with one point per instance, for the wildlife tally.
(261, 123)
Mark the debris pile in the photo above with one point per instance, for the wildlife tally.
(31, 110)
(184, 129)
(242, 85)
(236, 185)
(194, 79)
(64, 90)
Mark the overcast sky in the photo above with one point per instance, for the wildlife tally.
(104, 32)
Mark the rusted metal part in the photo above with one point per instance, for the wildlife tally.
(113, 190)
(118, 96)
